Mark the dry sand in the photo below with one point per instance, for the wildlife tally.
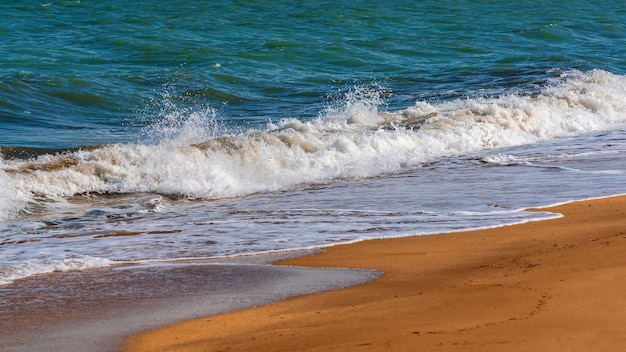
(554, 285)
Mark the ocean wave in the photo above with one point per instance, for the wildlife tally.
(193, 158)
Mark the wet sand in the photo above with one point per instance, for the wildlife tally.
(554, 285)
(96, 310)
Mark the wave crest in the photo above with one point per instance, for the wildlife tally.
(195, 159)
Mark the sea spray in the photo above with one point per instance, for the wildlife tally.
(181, 123)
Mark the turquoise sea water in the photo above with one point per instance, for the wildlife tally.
(200, 129)
(78, 73)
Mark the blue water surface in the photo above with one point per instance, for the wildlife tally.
(78, 73)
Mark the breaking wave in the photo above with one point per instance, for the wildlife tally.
(194, 158)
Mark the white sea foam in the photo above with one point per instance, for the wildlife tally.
(10, 273)
(354, 140)
(11, 199)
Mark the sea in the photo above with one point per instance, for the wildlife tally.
(143, 132)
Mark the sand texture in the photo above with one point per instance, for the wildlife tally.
(554, 285)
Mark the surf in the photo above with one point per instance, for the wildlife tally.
(190, 155)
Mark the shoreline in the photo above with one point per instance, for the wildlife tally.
(96, 310)
(550, 284)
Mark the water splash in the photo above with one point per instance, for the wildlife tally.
(192, 157)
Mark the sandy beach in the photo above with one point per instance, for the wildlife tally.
(554, 285)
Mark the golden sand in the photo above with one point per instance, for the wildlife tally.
(555, 285)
